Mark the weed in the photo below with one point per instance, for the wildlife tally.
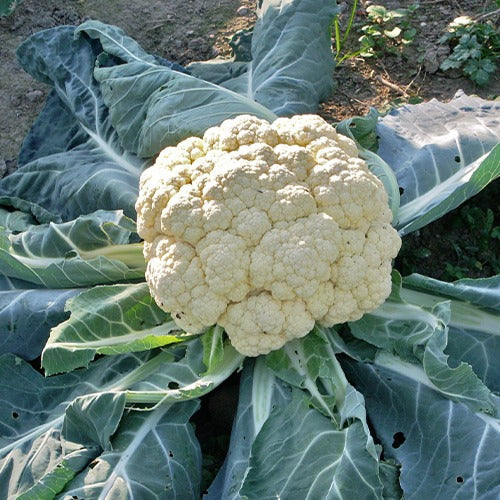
(341, 39)
(387, 31)
(475, 46)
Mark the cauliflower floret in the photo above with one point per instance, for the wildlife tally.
(265, 229)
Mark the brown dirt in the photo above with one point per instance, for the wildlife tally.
(187, 30)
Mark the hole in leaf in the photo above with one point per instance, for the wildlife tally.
(15, 414)
(401, 190)
(457, 159)
(173, 385)
(352, 125)
(460, 479)
(170, 454)
(399, 439)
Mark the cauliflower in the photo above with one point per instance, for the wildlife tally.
(265, 229)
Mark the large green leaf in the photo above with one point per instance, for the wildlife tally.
(16, 220)
(291, 67)
(154, 455)
(33, 446)
(445, 450)
(162, 105)
(72, 162)
(112, 319)
(281, 441)
(89, 250)
(54, 428)
(27, 314)
(300, 454)
(474, 326)
(441, 154)
(418, 333)
(260, 391)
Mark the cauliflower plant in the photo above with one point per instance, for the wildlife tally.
(265, 229)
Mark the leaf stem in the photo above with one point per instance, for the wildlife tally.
(130, 254)
(231, 361)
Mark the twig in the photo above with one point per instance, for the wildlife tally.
(391, 85)
(482, 17)
(349, 101)
(414, 78)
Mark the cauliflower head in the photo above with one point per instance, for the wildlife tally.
(265, 229)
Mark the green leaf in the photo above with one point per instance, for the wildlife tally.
(375, 11)
(292, 60)
(26, 316)
(418, 333)
(361, 129)
(301, 362)
(300, 454)
(259, 393)
(441, 154)
(72, 161)
(186, 378)
(16, 220)
(162, 105)
(153, 455)
(445, 450)
(454, 191)
(473, 327)
(112, 319)
(81, 415)
(483, 292)
(450, 63)
(90, 250)
(394, 33)
(389, 475)
(310, 363)
(34, 452)
(409, 34)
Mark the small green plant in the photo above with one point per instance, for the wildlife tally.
(387, 31)
(474, 251)
(341, 39)
(475, 46)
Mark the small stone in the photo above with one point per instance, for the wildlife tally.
(198, 44)
(434, 56)
(243, 11)
(34, 95)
